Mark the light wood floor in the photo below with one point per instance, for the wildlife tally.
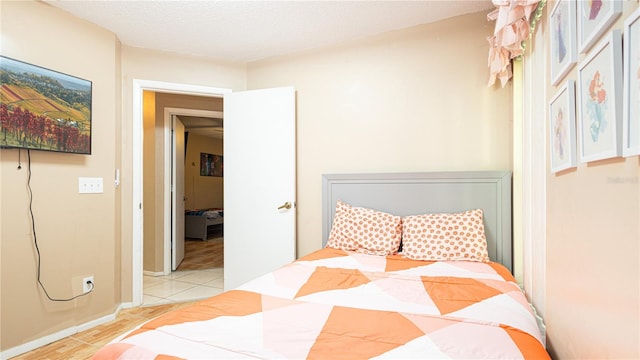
(84, 344)
(199, 255)
(203, 254)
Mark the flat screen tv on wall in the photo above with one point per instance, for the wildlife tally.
(42, 109)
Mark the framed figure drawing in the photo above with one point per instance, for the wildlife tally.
(211, 165)
(599, 100)
(562, 129)
(563, 39)
(594, 18)
(631, 108)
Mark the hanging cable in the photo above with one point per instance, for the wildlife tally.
(35, 238)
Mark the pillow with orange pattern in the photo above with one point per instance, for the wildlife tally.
(443, 237)
(365, 230)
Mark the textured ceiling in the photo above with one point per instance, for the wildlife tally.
(246, 31)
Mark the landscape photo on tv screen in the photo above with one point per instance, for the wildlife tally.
(43, 109)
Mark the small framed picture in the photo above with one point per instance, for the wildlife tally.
(599, 100)
(563, 39)
(594, 18)
(562, 128)
(631, 107)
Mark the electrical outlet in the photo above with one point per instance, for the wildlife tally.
(87, 284)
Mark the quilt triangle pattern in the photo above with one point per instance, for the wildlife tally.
(325, 278)
(525, 342)
(236, 304)
(343, 305)
(451, 294)
(370, 333)
(398, 263)
(326, 253)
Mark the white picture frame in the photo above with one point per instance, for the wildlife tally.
(594, 18)
(563, 39)
(631, 98)
(600, 101)
(562, 128)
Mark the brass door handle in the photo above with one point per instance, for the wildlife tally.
(286, 205)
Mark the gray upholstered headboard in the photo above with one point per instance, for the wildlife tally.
(430, 192)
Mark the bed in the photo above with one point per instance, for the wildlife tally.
(352, 299)
(197, 222)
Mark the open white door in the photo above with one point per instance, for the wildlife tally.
(259, 183)
(177, 193)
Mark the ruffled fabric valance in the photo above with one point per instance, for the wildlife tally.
(515, 21)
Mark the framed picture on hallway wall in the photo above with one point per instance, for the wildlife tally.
(600, 101)
(631, 108)
(594, 19)
(211, 165)
(563, 39)
(562, 128)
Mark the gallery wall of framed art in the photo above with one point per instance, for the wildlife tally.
(594, 69)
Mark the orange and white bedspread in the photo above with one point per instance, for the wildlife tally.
(333, 304)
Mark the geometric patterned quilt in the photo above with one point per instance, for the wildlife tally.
(334, 304)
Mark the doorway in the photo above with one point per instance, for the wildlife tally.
(201, 123)
(139, 86)
(185, 275)
(269, 114)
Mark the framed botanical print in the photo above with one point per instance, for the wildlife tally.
(631, 102)
(594, 18)
(563, 39)
(600, 101)
(562, 128)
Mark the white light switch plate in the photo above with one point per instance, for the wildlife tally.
(90, 185)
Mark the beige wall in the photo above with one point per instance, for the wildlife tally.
(408, 100)
(77, 234)
(593, 252)
(153, 242)
(202, 192)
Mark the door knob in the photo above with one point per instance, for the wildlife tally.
(286, 205)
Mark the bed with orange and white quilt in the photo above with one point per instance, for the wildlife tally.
(336, 304)
(384, 286)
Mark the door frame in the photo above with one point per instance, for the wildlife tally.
(140, 85)
(169, 174)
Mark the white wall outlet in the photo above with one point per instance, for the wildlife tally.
(90, 185)
(87, 284)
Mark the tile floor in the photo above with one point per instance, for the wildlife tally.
(180, 286)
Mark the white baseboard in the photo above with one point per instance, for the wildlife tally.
(153, 273)
(48, 339)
